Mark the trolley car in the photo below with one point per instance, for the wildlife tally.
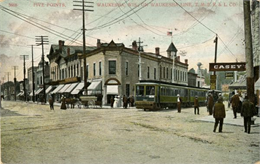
(156, 95)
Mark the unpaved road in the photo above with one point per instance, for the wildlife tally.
(33, 134)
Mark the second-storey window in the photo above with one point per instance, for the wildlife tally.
(126, 68)
(94, 69)
(100, 69)
(112, 67)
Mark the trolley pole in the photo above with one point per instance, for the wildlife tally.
(84, 39)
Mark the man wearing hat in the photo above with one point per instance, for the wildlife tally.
(210, 103)
(219, 114)
(179, 101)
(51, 102)
(235, 104)
(247, 113)
(196, 105)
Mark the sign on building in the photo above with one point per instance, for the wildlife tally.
(229, 75)
(213, 82)
(227, 66)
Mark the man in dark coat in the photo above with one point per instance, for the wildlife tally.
(235, 104)
(219, 114)
(196, 105)
(112, 101)
(51, 103)
(125, 101)
(247, 113)
(210, 103)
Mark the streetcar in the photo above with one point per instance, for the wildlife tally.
(157, 95)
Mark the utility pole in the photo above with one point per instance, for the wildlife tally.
(248, 51)
(213, 78)
(84, 40)
(25, 57)
(15, 68)
(8, 85)
(33, 76)
(43, 40)
(140, 48)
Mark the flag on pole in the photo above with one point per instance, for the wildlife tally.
(169, 33)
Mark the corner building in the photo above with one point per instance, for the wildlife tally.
(113, 69)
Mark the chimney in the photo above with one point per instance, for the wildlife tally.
(98, 43)
(186, 61)
(157, 50)
(134, 45)
(68, 51)
(61, 44)
(178, 58)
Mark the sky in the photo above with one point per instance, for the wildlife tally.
(194, 25)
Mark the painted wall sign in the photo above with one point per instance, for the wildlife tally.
(227, 66)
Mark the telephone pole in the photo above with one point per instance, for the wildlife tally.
(84, 40)
(140, 48)
(33, 76)
(15, 68)
(8, 86)
(43, 40)
(24, 57)
(248, 51)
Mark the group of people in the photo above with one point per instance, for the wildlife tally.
(126, 100)
(219, 112)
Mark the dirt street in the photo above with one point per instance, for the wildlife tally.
(32, 134)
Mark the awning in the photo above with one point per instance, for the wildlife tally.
(94, 87)
(257, 84)
(20, 94)
(79, 87)
(38, 91)
(112, 89)
(64, 88)
(71, 87)
(57, 89)
(48, 89)
(31, 94)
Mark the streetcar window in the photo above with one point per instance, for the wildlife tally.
(139, 90)
(150, 90)
(176, 92)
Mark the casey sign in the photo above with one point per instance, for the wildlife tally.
(227, 66)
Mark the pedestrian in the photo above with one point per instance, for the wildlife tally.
(220, 97)
(210, 103)
(125, 101)
(51, 103)
(235, 104)
(219, 114)
(132, 100)
(179, 102)
(247, 113)
(112, 101)
(63, 103)
(196, 105)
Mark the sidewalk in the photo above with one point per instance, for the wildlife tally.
(239, 121)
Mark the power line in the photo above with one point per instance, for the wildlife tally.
(17, 34)
(194, 17)
(118, 19)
